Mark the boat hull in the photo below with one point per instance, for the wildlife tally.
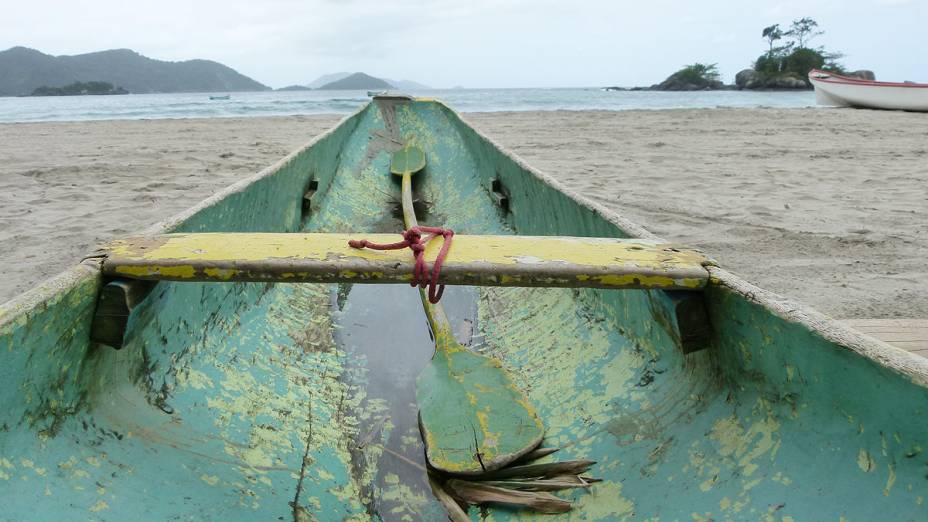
(262, 401)
(839, 91)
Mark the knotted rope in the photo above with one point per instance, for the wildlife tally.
(413, 239)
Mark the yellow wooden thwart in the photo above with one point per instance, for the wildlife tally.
(472, 260)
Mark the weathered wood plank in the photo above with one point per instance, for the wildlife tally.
(472, 260)
(908, 334)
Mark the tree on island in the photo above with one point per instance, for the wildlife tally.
(803, 30)
(694, 77)
(79, 88)
(701, 72)
(772, 34)
(788, 66)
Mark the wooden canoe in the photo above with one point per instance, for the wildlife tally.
(251, 400)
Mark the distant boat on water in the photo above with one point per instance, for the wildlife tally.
(843, 91)
(222, 97)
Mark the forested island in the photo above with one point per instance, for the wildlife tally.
(78, 89)
(781, 67)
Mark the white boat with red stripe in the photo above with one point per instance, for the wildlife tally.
(843, 91)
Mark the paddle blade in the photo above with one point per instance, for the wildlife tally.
(472, 416)
(408, 160)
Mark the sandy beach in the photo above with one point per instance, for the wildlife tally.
(829, 207)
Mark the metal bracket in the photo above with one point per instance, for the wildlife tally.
(500, 194)
(307, 199)
(114, 305)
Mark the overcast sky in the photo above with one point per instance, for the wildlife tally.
(471, 43)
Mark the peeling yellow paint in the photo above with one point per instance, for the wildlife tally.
(865, 461)
(410, 502)
(179, 272)
(890, 481)
(99, 506)
(605, 502)
(212, 480)
(194, 379)
(219, 273)
(708, 483)
(745, 444)
(490, 438)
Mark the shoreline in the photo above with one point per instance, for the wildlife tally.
(829, 207)
(301, 103)
(340, 115)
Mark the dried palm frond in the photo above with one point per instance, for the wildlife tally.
(522, 484)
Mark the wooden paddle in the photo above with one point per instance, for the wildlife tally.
(472, 416)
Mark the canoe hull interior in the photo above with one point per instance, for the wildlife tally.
(253, 401)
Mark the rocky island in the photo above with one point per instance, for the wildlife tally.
(783, 67)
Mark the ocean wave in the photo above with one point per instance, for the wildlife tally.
(196, 105)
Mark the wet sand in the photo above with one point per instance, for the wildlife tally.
(829, 207)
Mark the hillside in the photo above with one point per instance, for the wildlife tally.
(407, 85)
(22, 70)
(357, 81)
(327, 78)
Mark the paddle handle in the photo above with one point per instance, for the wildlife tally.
(409, 213)
(435, 313)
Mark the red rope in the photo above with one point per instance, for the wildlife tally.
(413, 240)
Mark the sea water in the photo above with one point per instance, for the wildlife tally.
(285, 103)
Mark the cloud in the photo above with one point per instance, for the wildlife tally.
(503, 43)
